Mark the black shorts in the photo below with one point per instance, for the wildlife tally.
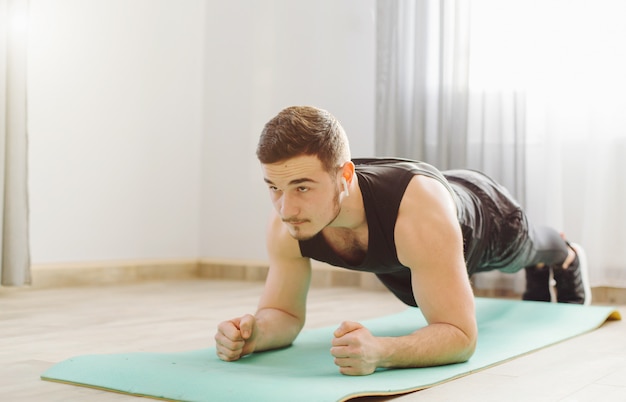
(496, 231)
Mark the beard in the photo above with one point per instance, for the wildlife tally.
(298, 231)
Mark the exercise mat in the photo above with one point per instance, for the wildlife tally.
(306, 372)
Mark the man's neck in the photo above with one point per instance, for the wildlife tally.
(352, 214)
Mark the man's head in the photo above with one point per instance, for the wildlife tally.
(306, 164)
(304, 130)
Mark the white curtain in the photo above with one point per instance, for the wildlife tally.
(577, 127)
(530, 92)
(14, 247)
(429, 103)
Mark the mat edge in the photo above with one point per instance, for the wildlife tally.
(611, 315)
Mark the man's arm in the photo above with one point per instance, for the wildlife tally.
(429, 241)
(282, 307)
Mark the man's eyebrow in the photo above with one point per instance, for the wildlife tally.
(293, 182)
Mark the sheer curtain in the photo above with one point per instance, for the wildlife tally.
(524, 91)
(431, 103)
(577, 128)
(14, 247)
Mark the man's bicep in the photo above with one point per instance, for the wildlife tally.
(430, 243)
(441, 287)
(444, 294)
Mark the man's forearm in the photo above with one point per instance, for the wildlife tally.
(434, 345)
(276, 329)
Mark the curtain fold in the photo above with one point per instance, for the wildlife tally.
(497, 86)
(14, 236)
(429, 109)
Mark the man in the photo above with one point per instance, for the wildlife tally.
(419, 230)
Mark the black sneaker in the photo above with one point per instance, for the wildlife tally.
(572, 283)
(537, 284)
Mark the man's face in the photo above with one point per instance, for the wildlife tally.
(305, 196)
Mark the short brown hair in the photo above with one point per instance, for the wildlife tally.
(304, 130)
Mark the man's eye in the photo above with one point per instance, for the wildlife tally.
(303, 189)
(273, 189)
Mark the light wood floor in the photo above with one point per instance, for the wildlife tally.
(39, 327)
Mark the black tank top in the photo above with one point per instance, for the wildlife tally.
(383, 183)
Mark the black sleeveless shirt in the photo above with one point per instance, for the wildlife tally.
(479, 201)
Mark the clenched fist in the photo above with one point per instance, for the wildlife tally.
(355, 349)
(236, 338)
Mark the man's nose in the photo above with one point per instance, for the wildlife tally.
(288, 207)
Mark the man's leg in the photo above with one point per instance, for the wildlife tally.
(549, 248)
(567, 262)
(537, 283)
(572, 278)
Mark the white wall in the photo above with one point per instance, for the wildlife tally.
(261, 57)
(144, 116)
(115, 125)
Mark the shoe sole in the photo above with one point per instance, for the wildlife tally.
(584, 272)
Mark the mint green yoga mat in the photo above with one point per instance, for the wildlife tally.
(306, 372)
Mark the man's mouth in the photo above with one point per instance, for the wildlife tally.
(294, 222)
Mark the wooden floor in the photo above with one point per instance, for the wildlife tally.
(39, 327)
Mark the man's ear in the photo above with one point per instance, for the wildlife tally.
(347, 171)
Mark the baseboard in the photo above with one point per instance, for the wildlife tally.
(324, 275)
(123, 272)
(110, 272)
(599, 295)
(609, 295)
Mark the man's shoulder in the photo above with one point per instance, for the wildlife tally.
(386, 172)
(426, 208)
(384, 162)
(394, 165)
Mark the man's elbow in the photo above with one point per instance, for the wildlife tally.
(468, 347)
(466, 353)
